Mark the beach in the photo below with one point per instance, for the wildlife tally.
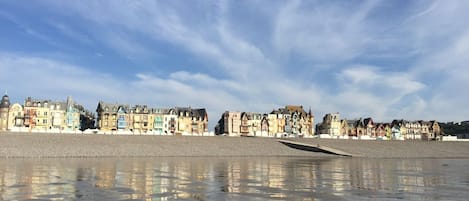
(35, 145)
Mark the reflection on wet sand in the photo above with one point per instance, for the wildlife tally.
(232, 178)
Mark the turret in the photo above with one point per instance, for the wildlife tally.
(5, 102)
(4, 107)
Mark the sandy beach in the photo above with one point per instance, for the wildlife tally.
(14, 145)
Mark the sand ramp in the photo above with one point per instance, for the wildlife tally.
(314, 147)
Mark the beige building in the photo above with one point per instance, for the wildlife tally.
(274, 124)
(231, 123)
(184, 120)
(191, 121)
(331, 125)
(15, 117)
(141, 119)
(37, 114)
(250, 124)
(112, 117)
(4, 108)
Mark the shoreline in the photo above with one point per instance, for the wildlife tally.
(43, 145)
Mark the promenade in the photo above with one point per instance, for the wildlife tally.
(13, 145)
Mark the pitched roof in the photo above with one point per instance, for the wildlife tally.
(111, 107)
(295, 108)
(199, 113)
(368, 120)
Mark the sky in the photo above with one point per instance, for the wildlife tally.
(381, 59)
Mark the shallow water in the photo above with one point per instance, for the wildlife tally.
(256, 178)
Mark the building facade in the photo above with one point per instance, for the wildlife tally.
(230, 124)
(291, 121)
(330, 125)
(4, 108)
(15, 117)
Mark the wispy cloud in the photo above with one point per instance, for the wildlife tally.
(372, 58)
(70, 32)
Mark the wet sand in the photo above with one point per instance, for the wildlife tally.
(14, 145)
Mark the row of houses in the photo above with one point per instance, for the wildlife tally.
(365, 128)
(141, 119)
(289, 121)
(69, 117)
(292, 121)
(44, 115)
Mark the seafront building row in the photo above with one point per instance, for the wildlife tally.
(291, 121)
(365, 128)
(69, 117)
(44, 116)
(113, 118)
(140, 119)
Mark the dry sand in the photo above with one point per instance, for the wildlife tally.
(67, 145)
(396, 149)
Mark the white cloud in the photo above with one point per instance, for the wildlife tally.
(322, 33)
(366, 90)
(333, 56)
(45, 78)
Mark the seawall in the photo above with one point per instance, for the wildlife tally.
(13, 145)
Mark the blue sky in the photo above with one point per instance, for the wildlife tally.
(384, 59)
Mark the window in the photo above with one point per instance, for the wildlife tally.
(44, 121)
